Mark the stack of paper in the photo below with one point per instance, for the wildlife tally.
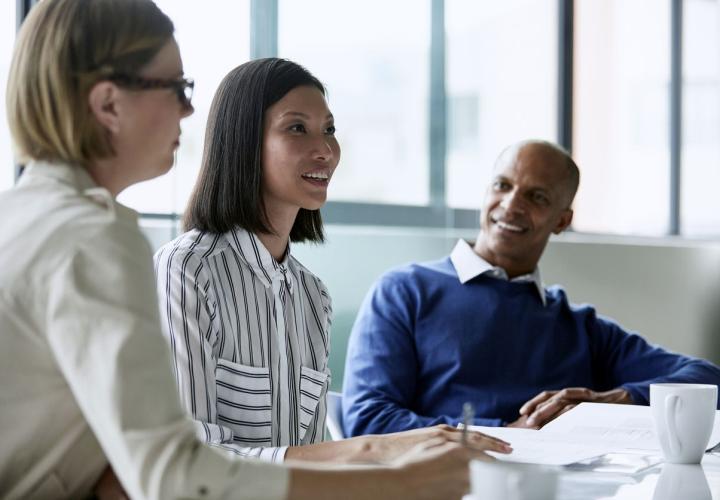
(538, 447)
(626, 427)
(587, 431)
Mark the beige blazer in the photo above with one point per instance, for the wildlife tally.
(85, 372)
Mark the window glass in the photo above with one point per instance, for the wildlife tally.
(501, 86)
(214, 37)
(700, 205)
(622, 75)
(373, 57)
(7, 38)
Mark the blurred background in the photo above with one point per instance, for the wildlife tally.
(426, 93)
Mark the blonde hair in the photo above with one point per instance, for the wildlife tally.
(64, 47)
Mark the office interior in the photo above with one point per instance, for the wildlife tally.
(426, 93)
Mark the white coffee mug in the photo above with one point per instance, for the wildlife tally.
(684, 415)
(509, 481)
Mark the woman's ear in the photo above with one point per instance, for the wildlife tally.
(103, 101)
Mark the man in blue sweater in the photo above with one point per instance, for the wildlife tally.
(479, 327)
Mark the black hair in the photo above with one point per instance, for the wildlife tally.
(228, 191)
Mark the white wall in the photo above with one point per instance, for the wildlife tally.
(667, 290)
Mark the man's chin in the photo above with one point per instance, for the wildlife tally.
(507, 247)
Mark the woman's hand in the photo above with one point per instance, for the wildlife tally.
(108, 487)
(437, 469)
(388, 447)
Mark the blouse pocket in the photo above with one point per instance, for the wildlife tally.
(244, 402)
(312, 389)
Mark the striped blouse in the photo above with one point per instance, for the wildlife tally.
(249, 339)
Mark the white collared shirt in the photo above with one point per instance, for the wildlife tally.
(250, 340)
(85, 371)
(469, 265)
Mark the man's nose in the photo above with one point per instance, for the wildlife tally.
(512, 202)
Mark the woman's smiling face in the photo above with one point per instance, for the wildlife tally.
(299, 152)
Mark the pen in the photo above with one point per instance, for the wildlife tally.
(468, 415)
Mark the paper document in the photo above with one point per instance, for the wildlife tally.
(537, 447)
(587, 431)
(626, 427)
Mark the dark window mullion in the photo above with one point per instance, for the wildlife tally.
(675, 128)
(438, 106)
(566, 24)
(375, 214)
(21, 11)
(263, 28)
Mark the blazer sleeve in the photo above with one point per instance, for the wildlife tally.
(103, 329)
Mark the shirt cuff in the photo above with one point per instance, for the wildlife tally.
(273, 455)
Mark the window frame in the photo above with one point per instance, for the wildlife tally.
(264, 43)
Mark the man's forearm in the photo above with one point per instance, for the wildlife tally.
(698, 371)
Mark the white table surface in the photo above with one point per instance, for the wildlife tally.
(662, 482)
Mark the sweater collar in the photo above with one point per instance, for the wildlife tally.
(469, 265)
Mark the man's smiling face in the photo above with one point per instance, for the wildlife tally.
(528, 199)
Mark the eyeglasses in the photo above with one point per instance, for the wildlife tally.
(183, 87)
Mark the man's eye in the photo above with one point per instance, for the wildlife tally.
(330, 130)
(500, 185)
(540, 198)
(298, 127)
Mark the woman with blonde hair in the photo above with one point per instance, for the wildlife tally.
(95, 98)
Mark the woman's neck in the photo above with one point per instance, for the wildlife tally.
(274, 244)
(281, 223)
(110, 174)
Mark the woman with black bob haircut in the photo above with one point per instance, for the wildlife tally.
(95, 99)
(248, 324)
(229, 189)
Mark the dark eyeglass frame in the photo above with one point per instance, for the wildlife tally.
(183, 87)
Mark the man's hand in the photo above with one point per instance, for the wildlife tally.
(522, 423)
(551, 404)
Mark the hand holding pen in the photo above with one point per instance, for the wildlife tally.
(468, 415)
(470, 438)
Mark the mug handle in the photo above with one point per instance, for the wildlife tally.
(672, 403)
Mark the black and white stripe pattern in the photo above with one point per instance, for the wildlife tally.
(249, 338)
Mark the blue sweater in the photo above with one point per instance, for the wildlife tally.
(424, 343)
